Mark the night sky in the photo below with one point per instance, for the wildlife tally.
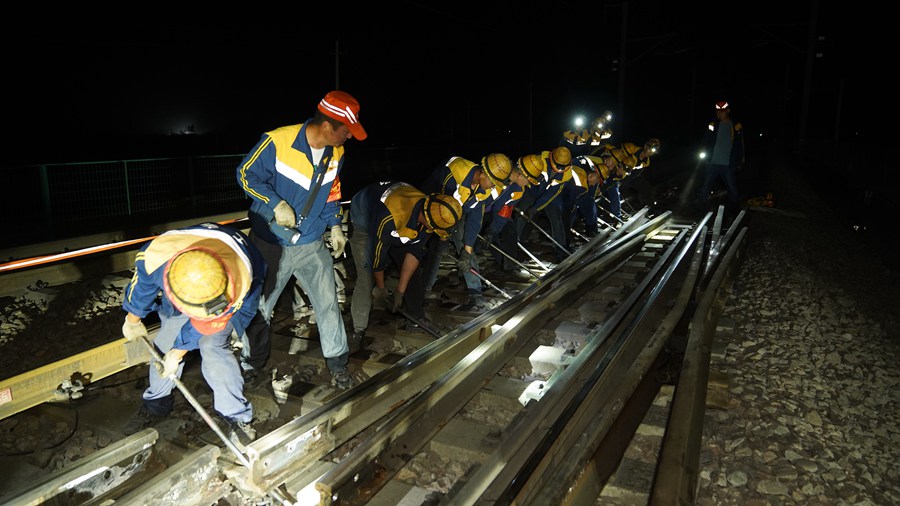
(510, 77)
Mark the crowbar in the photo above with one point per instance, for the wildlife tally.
(520, 264)
(424, 326)
(486, 280)
(203, 414)
(495, 287)
(542, 264)
(535, 225)
(607, 211)
(579, 234)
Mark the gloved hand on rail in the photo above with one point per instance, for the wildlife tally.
(398, 301)
(170, 362)
(338, 241)
(486, 240)
(285, 215)
(134, 330)
(381, 295)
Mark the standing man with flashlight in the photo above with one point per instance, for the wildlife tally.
(291, 175)
(723, 154)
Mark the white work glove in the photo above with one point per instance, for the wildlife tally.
(285, 215)
(133, 331)
(338, 241)
(169, 365)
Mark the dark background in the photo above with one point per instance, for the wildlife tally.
(435, 79)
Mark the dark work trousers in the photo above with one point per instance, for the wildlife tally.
(414, 298)
(506, 241)
(728, 175)
(258, 344)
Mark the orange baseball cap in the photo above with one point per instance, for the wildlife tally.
(344, 108)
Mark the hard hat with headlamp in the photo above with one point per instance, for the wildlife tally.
(198, 283)
(601, 123)
(721, 105)
(601, 127)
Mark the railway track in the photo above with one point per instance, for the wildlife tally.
(534, 401)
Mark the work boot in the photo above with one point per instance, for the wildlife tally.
(240, 433)
(139, 421)
(477, 302)
(342, 378)
(358, 340)
(253, 378)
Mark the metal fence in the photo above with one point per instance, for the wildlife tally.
(48, 202)
(75, 198)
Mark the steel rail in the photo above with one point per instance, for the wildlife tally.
(584, 389)
(678, 468)
(380, 456)
(289, 451)
(600, 413)
(423, 390)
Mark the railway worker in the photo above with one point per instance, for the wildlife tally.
(581, 192)
(542, 198)
(614, 161)
(209, 278)
(629, 158)
(585, 141)
(392, 224)
(500, 227)
(474, 186)
(291, 176)
(722, 156)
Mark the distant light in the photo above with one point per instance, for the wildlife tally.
(702, 155)
(579, 121)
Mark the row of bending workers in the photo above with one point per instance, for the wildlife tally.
(474, 186)
(629, 157)
(213, 281)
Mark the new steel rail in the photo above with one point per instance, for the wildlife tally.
(556, 448)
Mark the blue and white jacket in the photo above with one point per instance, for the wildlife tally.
(280, 168)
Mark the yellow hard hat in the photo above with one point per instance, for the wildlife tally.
(532, 166)
(560, 158)
(497, 166)
(652, 145)
(442, 213)
(197, 282)
(631, 148)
